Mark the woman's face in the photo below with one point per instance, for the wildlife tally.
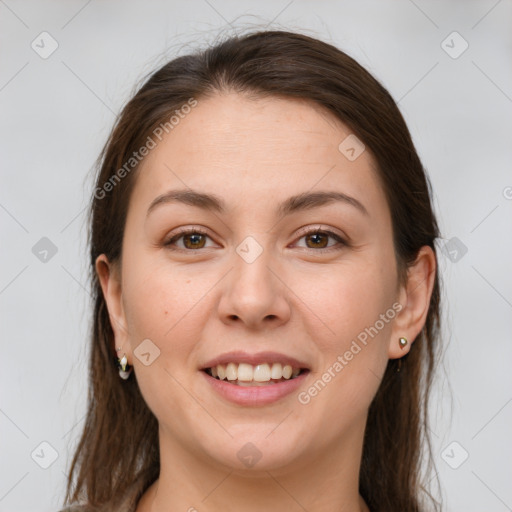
(256, 284)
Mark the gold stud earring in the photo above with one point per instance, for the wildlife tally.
(402, 342)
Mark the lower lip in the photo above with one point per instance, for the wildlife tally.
(255, 395)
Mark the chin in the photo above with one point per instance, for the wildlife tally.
(257, 450)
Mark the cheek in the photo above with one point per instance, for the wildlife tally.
(350, 321)
(342, 301)
(159, 300)
(160, 306)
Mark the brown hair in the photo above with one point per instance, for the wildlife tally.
(118, 452)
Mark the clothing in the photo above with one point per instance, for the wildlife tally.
(129, 504)
(86, 508)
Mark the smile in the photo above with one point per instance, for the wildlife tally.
(244, 374)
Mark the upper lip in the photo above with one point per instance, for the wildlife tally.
(254, 359)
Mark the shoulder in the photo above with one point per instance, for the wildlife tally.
(75, 508)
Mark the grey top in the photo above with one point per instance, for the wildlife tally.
(129, 504)
(85, 508)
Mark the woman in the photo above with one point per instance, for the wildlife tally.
(265, 278)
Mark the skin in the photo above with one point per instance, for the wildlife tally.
(195, 304)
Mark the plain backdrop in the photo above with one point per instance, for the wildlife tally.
(67, 68)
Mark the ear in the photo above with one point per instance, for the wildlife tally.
(414, 298)
(110, 280)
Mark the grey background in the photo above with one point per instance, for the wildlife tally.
(57, 112)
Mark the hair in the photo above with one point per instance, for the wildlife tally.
(118, 452)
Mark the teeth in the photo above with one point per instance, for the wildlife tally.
(231, 371)
(287, 371)
(261, 373)
(277, 371)
(245, 373)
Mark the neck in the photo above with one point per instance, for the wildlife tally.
(326, 481)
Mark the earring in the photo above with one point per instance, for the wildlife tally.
(124, 368)
(402, 342)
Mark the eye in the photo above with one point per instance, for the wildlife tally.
(317, 240)
(192, 239)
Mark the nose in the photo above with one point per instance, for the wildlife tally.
(254, 294)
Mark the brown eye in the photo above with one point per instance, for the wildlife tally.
(319, 240)
(193, 239)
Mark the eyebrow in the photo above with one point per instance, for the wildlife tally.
(300, 202)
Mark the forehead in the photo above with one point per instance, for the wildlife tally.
(257, 150)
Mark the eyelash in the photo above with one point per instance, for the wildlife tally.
(198, 231)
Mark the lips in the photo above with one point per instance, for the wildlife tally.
(252, 395)
(238, 357)
(254, 379)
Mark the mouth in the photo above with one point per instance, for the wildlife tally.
(249, 375)
(254, 380)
